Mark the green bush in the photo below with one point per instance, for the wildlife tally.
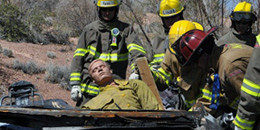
(11, 27)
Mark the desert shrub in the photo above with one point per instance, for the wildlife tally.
(58, 74)
(11, 26)
(51, 55)
(29, 68)
(74, 15)
(17, 65)
(7, 52)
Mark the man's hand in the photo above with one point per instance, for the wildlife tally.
(75, 93)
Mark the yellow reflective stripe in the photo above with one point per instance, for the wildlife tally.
(258, 39)
(92, 50)
(250, 88)
(107, 56)
(155, 76)
(190, 103)
(80, 52)
(133, 46)
(75, 77)
(132, 66)
(238, 46)
(90, 89)
(157, 58)
(244, 124)
(207, 94)
(166, 77)
(234, 104)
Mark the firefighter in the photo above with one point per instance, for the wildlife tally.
(118, 94)
(170, 11)
(107, 39)
(170, 74)
(249, 106)
(242, 18)
(225, 67)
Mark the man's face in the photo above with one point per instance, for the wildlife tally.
(203, 60)
(241, 27)
(169, 21)
(108, 13)
(100, 72)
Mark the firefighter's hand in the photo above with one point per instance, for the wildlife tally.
(134, 76)
(75, 93)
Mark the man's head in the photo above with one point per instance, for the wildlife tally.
(100, 72)
(243, 17)
(170, 11)
(192, 45)
(107, 9)
(178, 29)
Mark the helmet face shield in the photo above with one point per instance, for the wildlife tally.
(175, 49)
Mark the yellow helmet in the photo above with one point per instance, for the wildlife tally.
(198, 26)
(243, 11)
(244, 7)
(169, 8)
(179, 28)
(106, 3)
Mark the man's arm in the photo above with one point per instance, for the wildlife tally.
(147, 98)
(249, 106)
(134, 46)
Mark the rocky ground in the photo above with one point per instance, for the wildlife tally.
(24, 52)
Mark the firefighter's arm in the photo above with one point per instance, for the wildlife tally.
(164, 75)
(78, 60)
(249, 104)
(234, 77)
(77, 67)
(134, 45)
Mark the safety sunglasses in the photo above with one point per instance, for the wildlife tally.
(241, 16)
(241, 22)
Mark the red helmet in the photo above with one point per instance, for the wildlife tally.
(194, 43)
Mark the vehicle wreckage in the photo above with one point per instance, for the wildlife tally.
(23, 108)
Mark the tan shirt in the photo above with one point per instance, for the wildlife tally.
(132, 94)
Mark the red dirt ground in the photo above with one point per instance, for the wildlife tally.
(25, 52)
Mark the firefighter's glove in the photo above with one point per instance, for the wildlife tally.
(134, 76)
(75, 93)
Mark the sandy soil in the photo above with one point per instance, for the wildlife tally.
(25, 52)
